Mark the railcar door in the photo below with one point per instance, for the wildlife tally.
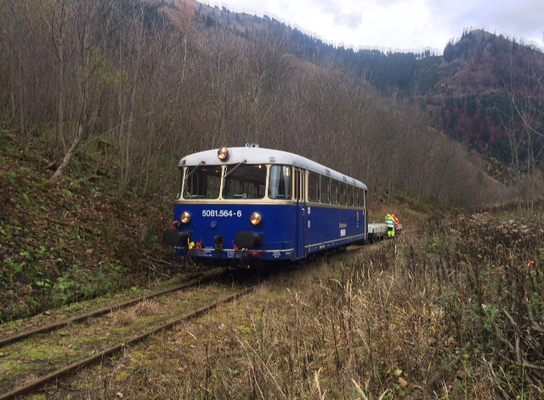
(300, 212)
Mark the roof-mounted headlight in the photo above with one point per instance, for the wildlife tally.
(223, 154)
(255, 219)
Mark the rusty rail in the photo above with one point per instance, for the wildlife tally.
(57, 325)
(112, 350)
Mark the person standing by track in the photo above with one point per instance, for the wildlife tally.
(390, 223)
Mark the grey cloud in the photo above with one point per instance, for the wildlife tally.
(520, 19)
(352, 20)
(329, 6)
(333, 7)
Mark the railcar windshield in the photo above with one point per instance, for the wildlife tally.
(279, 186)
(202, 182)
(244, 181)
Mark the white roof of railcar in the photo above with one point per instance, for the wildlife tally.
(257, 155)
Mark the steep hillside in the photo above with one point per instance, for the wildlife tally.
(485, 91)
(160, 80)
(74, 241)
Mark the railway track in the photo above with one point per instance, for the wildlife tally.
(31, 359)
(48, 353)
(4, 341)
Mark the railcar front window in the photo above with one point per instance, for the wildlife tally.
(244, 182)
(182, 171)
(204, 183)
(279, 186)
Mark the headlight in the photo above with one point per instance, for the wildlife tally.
(223, 154)
(185, 218)
(255, 218)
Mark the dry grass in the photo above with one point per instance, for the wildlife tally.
(455, 313)
(130, 315)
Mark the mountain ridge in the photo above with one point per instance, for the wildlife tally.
(470, 76)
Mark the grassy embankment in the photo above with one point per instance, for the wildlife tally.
(73, 241)
(455, 311)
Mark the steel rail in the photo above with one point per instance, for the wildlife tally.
(112, 350)
(57, 325)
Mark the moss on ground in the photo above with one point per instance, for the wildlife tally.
(428, 312)
(45, 353)
(73, 241)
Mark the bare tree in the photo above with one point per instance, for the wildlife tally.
(85, 34)
(58, 34)
(123, 72)
(13, 20)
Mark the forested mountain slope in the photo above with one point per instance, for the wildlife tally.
(488, 93)
(155, 81)
(485, 91)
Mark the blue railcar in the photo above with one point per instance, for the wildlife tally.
(248, 203)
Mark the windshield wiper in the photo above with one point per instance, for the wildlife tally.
(194, 170)
(188, 175)
(232, 170)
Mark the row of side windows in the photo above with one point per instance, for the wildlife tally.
(324, 190)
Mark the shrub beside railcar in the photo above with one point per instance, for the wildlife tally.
(247, 203)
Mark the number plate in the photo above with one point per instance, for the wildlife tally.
(221, 213)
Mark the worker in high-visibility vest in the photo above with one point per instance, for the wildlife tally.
(390, 223)
(396, 221)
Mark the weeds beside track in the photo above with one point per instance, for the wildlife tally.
(30, 364)
(453, 312)
(104, 310)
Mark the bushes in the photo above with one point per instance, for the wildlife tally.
(78, 283)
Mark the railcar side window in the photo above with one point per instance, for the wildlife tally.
(334, 191)
(297, 185)
(313, 187)
(279, 186)
(203, 183)
(325, 190)
(350, 195)
(244, 182)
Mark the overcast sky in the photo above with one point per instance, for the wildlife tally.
(400, 24)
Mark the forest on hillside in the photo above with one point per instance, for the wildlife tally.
(485, 91)
(491, 99)
(99, 99)
(146, 84)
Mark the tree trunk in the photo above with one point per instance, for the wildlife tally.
(59, 43)
(60, 111)
(67, 157)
